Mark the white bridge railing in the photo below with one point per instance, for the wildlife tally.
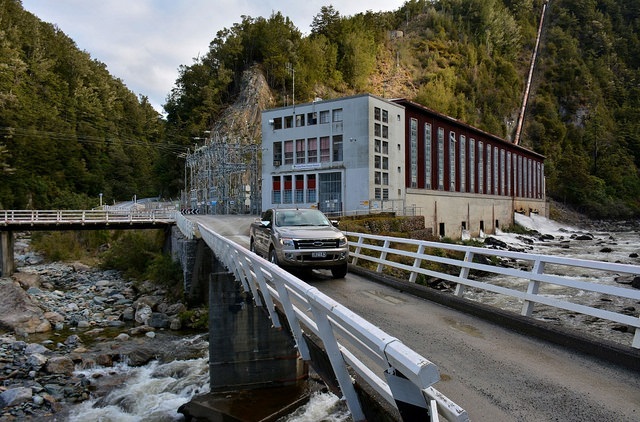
(43, 217)
(535, 282)
(396, 372)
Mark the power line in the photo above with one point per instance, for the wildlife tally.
(94, 140)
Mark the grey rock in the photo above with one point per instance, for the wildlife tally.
(175, 324)
(143, 313)
(36, 360)
(175, 309)
(15, 396)
(35, 348)
(128, 314)
(158, 320)
(72, 340)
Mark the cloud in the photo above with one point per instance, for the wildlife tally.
(144, 42)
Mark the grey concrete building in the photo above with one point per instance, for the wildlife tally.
(343, 156)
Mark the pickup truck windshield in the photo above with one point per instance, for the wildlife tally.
(291, 218)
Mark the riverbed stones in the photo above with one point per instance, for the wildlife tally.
(93, 312)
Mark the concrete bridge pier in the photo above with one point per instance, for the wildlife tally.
(245, 350)
(7, 263)
(250, 361)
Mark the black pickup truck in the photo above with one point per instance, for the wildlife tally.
(300, 239)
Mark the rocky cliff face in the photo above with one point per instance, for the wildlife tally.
(242, 120)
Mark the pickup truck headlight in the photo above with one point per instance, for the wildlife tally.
(287, 241)
(342, 242)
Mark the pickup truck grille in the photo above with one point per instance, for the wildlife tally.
(316, 243)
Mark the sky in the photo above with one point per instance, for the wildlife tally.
(143, 42)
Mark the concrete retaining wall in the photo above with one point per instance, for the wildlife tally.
(447, 212)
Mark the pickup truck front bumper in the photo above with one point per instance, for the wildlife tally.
(313, 258)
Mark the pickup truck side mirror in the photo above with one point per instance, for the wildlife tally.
(335, 223)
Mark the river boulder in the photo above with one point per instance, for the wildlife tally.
(18, 312)
(60, 365)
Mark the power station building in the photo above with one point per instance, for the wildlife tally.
(364, 154)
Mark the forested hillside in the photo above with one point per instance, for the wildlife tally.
(69, 128)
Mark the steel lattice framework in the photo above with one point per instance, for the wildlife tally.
(224, 177)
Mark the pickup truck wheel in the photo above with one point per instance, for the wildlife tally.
(273, 257)
(339, 272)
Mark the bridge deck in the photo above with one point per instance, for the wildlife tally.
(493, 372)
(50, 220)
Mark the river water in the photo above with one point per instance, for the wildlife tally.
(154, 392)
(620, 244)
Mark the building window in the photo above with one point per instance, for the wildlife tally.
(288, 122)
(378, 193)
(277, 154)
(324, 117)
(413, 152)
(299, 192)
(452, 161)
(385, 178)
(521, 177)
(441, 158)
(377, 178)
(276, 193)
(385, 131)
(502, 171)
(312, 196)
(427, 156)
(378, 146)
(377, 130)
(288, 152)
(508, 173)
(385, 194)
(530, 178)
(287, 192)
(496, 164)
(312, 118)
(337, 148)
(299, 120)
(489, 169)
(376, 113)
(480, 167)
(312, 150)
(472, 165)
(385, 147)
(325, 149)
(377, 161)
(277, 123)
(300, 152)
(337, 115)
(385, 116)
(385, 163)
(463, 163)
